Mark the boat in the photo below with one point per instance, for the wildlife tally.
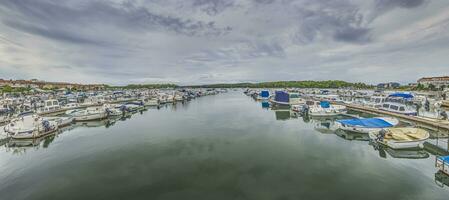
(151, 102)
(398, 108)
(113, 109)
(61, 121)
(282, 98)
(375, 101)
(50, 106)
(30, 126)
(263, 95)
(442, 163)
(366, 125)
(398, 103)
(91, 113)
(400, 138)
(324, 109)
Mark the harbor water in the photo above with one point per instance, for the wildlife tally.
(225, 146)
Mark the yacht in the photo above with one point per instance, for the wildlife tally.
(30, 126)
(50, 106)
(366, 125)
(324, 108)
(398, 108)
(90, 113)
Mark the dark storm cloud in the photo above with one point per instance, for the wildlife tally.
(194, 41)
(213, 7)
(51, 18)
(339, 20)
(389, 4)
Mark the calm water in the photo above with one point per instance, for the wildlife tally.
(216, 147)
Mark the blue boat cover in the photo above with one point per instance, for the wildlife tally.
(265, 93)
(367, 123)
(444, 158)
(402, 95)
(324, 104)
(281, 96)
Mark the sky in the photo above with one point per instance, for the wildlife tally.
(189, 42)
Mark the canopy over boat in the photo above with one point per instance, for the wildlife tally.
(367, 123)
(401, 95)
(281, 96)
(444, 158)
(265, 93)
(324, 104)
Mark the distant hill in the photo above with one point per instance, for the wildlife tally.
(291, 84)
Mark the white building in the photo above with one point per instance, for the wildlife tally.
(438, 82)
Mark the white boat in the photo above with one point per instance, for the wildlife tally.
(398, 108)
(31, 126)
(61, 121)
(400, 138)
(113, 109)
(376, 101)
(50, 106)
(71, 106)
(91, 113)
(151, 102)
(367, 125)
(324, 109)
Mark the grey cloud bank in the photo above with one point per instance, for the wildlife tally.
(216, 41)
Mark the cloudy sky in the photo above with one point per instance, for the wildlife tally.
(212, 41)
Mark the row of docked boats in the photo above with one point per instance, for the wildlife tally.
(38, 123)
(382, 130)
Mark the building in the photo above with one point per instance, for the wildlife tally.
(437, 82)
(390, 85)
(36, 84)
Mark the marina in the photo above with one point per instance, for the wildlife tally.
(228, 138)
(224, 99)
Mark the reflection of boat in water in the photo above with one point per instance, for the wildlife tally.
(349, 135)
(323, 125)
(282, 114)
(399, 153)
(442, 179)
(100, 123)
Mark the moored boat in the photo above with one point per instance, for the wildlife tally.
(367, 125)
(400, 138)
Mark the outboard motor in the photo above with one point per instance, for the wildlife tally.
(381, 135)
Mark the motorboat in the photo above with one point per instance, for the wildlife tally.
(113, 109)
(61, 121)
(400, 138)
(263, 95)
(50, 106)
(324, 108)
(375, 101)
(30, 126)
(151, 102)
(398, 108)
(88, 114)
(442, 163)
(366, 125)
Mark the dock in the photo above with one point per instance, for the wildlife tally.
(440, 126)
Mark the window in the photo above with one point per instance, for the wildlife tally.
(394, 107)
(385, 105)
(401, 108)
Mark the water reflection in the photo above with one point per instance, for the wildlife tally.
(442, 179)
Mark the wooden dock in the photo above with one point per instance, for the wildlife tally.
(441, 126)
